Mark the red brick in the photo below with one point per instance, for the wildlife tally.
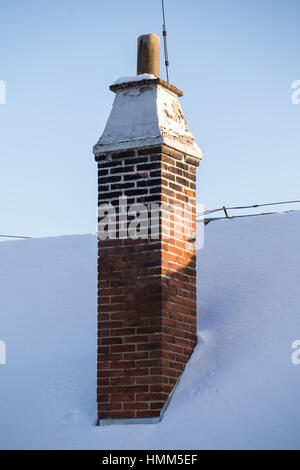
(157, 405)
(123, 380)
(136, 406)
(135, 339)
(151, 396)
(146, 324)
(122, 397)
(136, 372)
(122, 348)
(147, 414)
(110, 406)
(136, 355)
(151, 380)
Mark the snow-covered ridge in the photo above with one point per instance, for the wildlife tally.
(240, 389)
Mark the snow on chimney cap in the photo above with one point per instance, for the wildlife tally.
(146, 111)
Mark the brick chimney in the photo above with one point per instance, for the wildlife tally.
(146, 260)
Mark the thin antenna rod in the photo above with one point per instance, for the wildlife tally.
(165, 40)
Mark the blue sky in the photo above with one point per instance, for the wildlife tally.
(235, 60)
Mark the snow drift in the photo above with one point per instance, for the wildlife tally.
(239, 390)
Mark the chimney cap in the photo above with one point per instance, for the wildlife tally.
(148, 54)
(135, 82)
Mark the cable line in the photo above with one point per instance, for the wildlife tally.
(254, 206)
(165, 40)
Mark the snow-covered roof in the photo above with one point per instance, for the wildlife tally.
(240, 388)
(146, 112)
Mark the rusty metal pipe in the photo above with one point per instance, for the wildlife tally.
(148, 57)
